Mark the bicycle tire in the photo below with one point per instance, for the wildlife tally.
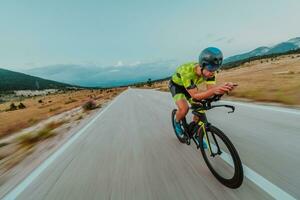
(237, 179)
(181, 139)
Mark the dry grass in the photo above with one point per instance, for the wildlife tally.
(276, 80)
(13, 153)
(43, 107)
(23, 148)
(37, 141)
(33, 137)
(272, 81)
(18, 155)
(79, 117)
(70, 100)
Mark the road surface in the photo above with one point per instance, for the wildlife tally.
(131, 152)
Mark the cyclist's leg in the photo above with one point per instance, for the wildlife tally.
(181, 102)
(182, 110)
(180, 99)
(195, 118)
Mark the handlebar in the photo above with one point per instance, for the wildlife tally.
(205, 104)
(209, 100)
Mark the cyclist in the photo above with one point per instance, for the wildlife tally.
(183, 84)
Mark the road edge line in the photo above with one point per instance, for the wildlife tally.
(19, 188)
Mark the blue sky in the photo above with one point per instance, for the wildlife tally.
(103, 33)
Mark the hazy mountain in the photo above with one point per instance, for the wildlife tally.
(295, 41)
(283, 47)
(122, 75)
(106, 76)
(256, 52)
(10, 80)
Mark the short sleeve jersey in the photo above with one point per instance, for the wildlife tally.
(186, 76)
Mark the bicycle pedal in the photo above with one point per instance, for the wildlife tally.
(188, 141)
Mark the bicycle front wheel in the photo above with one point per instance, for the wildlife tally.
(222, 158)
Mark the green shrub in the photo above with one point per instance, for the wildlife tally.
(42, 134)
(2, 100)
(21, 106)
(12, 107)
(89, 105)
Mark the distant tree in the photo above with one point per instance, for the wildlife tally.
(37, 85)
(149, 83)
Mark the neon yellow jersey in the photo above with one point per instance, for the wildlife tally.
(186, 76)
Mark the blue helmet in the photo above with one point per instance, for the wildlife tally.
(211, 58)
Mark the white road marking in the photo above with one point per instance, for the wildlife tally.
(15, 192)
(259, 180)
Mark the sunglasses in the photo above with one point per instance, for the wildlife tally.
(212, 68)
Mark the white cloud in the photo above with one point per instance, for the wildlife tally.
(114, 70)
(136, 63)
(119, 64)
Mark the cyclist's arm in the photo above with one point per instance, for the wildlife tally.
(209, 86)
(196, 94)
(193, 90)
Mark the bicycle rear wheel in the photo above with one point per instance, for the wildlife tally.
(224, 161)
(182, 137)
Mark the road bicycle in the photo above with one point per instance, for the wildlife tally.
(218, 152)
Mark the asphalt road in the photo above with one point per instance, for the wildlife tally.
(131, 152)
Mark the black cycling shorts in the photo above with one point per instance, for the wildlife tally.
(178, 92)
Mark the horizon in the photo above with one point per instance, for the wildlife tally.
(120, 34)
(121, 64)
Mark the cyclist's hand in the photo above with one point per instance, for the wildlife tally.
(231, 85)
(221, 89)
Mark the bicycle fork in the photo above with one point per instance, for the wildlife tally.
(203, 128)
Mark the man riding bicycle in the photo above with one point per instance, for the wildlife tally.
(184, 83)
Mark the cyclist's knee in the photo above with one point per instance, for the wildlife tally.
(183, 109)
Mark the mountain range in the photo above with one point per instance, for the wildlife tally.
(111, 76)
(283, 47)
(93, 76)
(10, 80)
